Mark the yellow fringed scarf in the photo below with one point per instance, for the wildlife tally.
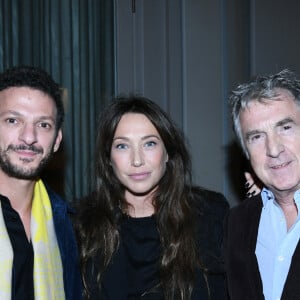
(48, 272)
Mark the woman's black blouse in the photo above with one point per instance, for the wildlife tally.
(141, 247)
(134, 271)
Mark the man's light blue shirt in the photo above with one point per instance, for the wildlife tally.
(275, 245)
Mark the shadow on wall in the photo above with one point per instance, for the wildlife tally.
(54, 173)
(237, 165)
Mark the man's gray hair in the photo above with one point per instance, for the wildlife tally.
(261, 89)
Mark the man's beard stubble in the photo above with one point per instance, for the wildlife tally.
(18, 172)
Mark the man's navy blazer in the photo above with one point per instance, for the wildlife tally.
(243, 277)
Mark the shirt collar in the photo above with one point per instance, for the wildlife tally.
(268, 195)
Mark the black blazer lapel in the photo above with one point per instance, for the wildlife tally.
(244, 280)
(291, 288)
(253, 219)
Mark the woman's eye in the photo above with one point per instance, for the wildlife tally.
(150, 144)
(121, 146)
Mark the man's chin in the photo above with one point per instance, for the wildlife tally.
(26, 171)
(31, 175)
(14, 171)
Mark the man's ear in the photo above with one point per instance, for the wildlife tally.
(57, 140)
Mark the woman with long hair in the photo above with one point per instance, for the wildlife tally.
(146, 233)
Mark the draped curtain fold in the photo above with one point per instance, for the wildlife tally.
(73, 41)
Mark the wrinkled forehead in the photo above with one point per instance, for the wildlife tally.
(269, 111)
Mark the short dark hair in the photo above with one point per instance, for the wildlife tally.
(35, 78)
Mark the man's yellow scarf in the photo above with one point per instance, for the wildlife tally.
(48, 272)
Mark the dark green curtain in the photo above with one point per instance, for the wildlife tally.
(73, 41)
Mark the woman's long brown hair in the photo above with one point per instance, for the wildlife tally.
(99, 216)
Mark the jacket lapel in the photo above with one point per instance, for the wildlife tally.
(252, 223)
(291, 288)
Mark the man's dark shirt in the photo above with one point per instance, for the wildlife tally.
(22, 273)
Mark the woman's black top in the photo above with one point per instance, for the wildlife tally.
(134, 271)
(141, 245)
